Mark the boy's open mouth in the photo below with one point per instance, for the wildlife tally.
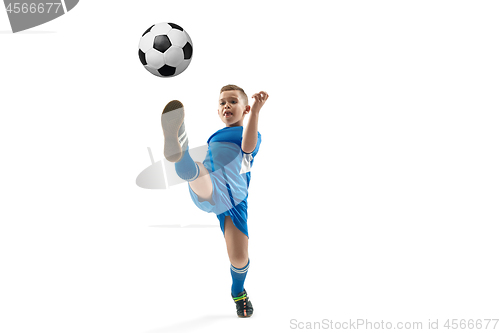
(227, 114)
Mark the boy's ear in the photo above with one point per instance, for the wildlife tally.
(247, 109)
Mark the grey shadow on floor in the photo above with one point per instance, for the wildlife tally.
(194, 324)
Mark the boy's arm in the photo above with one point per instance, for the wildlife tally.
(250, 134)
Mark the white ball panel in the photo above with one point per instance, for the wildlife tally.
(173, 56)
(177, 37)
(182, 66)
(152, 70)
(146, 42)
(161, 29)
(189, 39)
(154, 59)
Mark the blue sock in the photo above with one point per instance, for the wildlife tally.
(239, 275)
(186, 168)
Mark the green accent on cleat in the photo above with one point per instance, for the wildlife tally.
(244, 308)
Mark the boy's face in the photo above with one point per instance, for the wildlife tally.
(232, 108)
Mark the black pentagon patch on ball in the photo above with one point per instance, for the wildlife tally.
(175, 26)
(142, 56)
(188, 51)
(167, 70)
(161, 43)
(145, 32)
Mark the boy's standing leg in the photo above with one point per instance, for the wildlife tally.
(236, 243)
(237, 250)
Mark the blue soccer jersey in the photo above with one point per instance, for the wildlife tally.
(229, 169)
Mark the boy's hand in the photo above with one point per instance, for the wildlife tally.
(260, 99)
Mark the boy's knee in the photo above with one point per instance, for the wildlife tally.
(239, 260)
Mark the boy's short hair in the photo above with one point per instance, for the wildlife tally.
(235, 87)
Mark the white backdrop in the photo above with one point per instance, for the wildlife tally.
(374, 196)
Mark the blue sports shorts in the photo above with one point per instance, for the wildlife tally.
(223, 203)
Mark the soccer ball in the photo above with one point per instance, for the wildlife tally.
(165, 49)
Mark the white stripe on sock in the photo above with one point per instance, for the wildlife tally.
(183, 138)
(239, 270)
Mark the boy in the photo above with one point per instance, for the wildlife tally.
(220, 183)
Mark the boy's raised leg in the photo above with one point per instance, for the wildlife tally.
(202, 185)
(176, 150)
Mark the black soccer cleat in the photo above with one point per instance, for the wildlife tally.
(244, 308)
